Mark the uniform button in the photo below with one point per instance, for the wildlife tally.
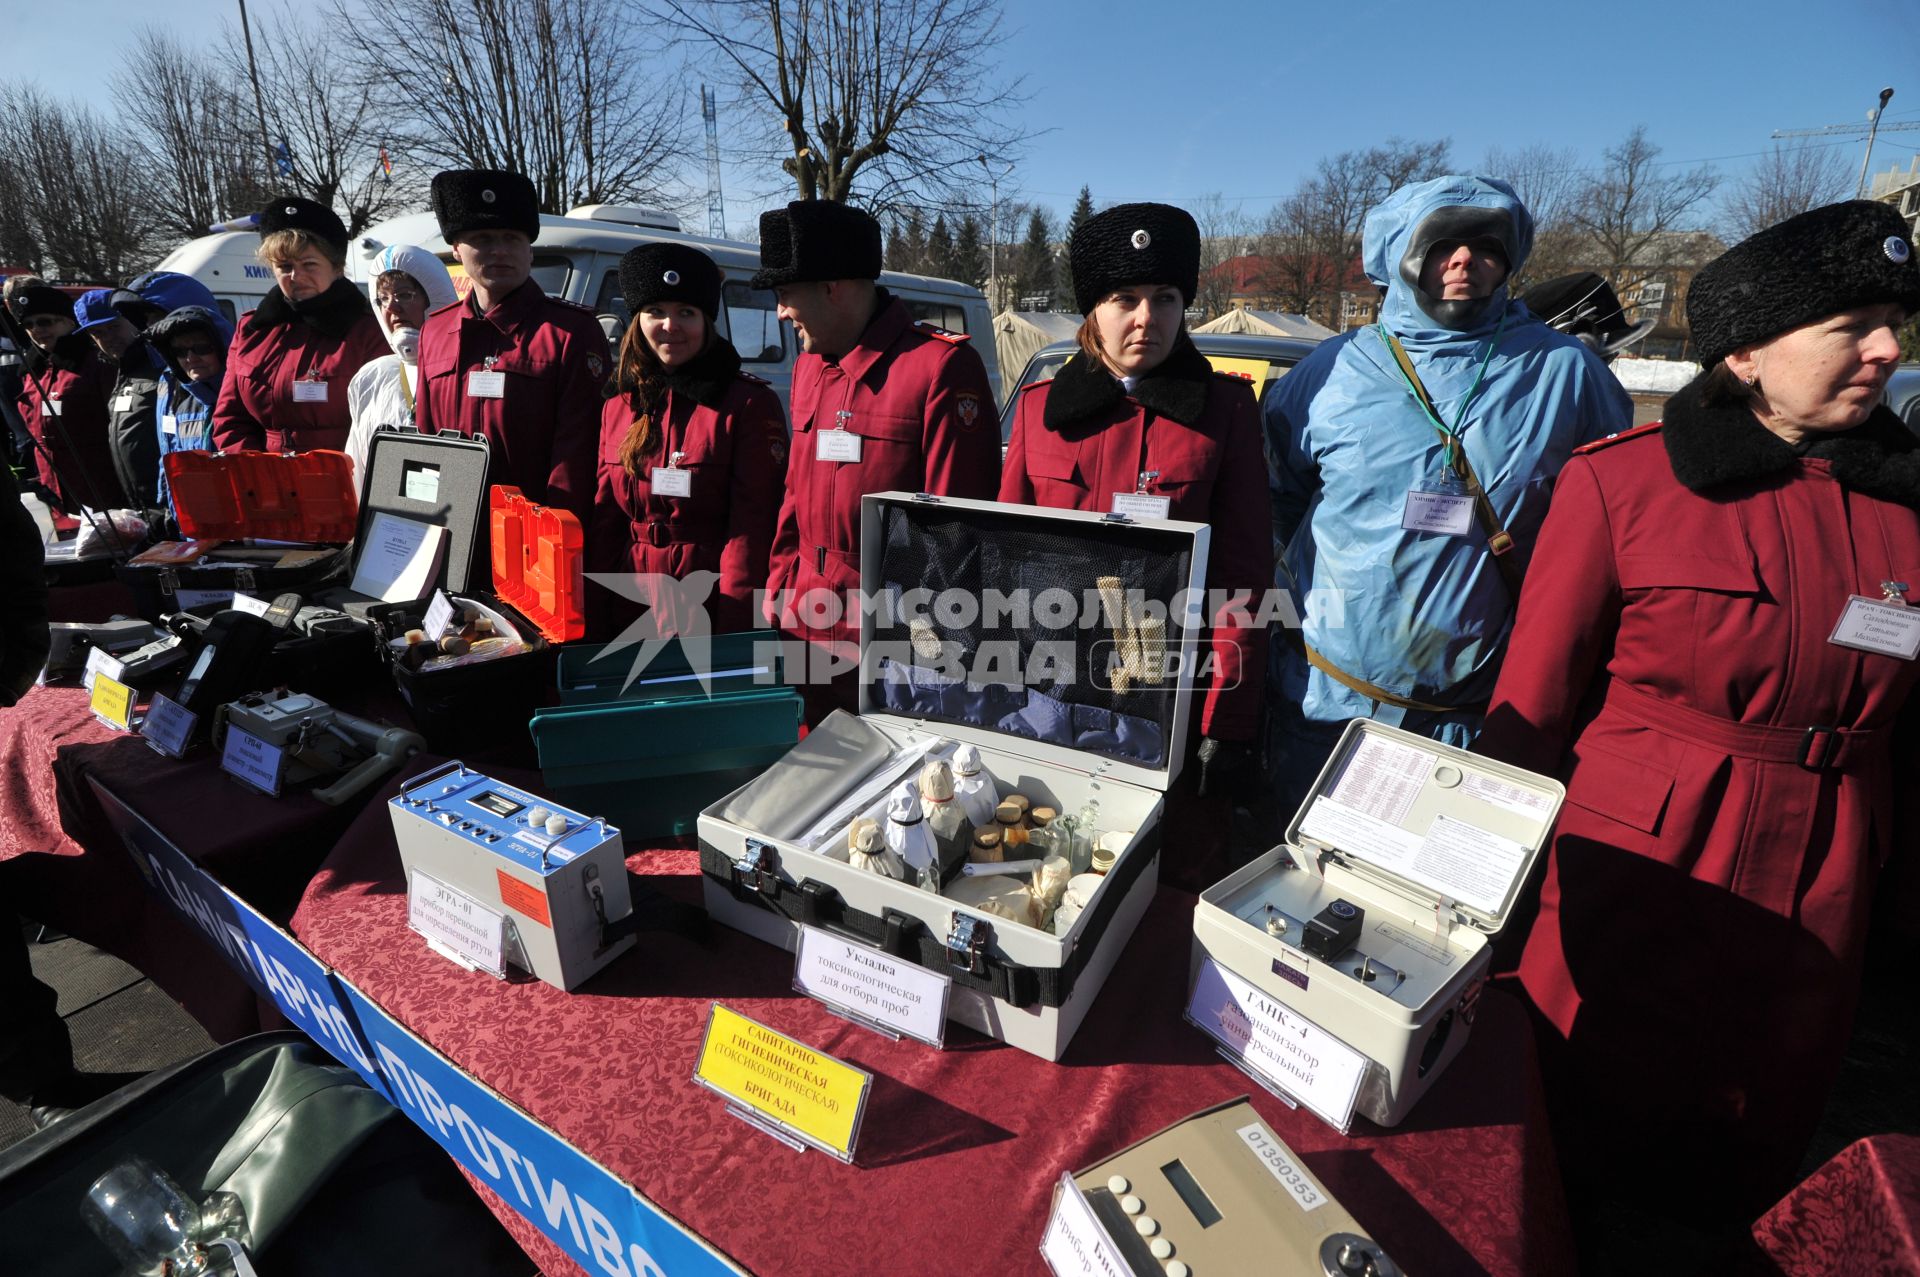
(1161, 1248)
(1146, 1225)
(1132, 1205)
(1177, 1269)
(1117, 1184)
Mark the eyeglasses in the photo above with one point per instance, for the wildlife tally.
(199, 350)
(401, 298)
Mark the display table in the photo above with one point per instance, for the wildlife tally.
(61, 864)
(960, 1149)
(1858, 1214)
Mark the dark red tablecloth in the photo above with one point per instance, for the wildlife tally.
(960, 1149)
(62, 864)
(1859, 1214)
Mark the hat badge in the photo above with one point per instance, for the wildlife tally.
(291, 210)
(671, 277)
(487, 197)
(1896, 250)
(1141, 239)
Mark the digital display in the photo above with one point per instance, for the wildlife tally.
(1191, 1193)
(498, 804)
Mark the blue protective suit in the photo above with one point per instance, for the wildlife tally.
(1422, 615)
(184, 416)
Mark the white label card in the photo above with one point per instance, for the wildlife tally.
(836, 445)
(55, 407)
(168, 726)
(252, 761)
(1467, 863)
(1873, 625)
(459, 922)
(1448, 513)
(486, 385)
(399, 558)
(201, 598)
(101, 661)
(169, 424)
(250, 605)
(439, 616)
(1075, 1245)
(904, 996)
(122, 403)
(1278, 1043)
(1282, 1165)
(671, 481)
(1141, 505)
(309, 392)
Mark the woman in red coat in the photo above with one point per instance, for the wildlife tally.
(64, 405)
(1139, 422)
(692, 458)
(1713, 647)
(291, 359)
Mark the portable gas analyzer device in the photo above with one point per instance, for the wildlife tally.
(1372, 920)
(558, 876)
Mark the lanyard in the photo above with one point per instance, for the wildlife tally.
(1451, 434)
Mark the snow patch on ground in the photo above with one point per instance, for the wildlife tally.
(1654, 376)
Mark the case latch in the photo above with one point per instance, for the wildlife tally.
(758, 870)
(926, 498)
(967, 943)
(244, 578)
(169, 582)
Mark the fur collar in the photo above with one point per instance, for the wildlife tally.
(1709, 447)
(708, 376)
(331, 314)
(1084, 389)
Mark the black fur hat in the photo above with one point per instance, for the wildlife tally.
(1134, 244)
(41, 299)
(1856, 253)
(816, 239)
(669, 273)
(485, 199)
(292, 213)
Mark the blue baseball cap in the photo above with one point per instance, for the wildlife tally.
(94, 309)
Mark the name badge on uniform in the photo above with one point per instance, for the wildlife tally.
(1447, 513)
(839, 444)
(122, 403)
(53, 407)
(309, 392)
(169, 425)
(486, 385)
(1885, 625)
(1141, 505)
(670, 480)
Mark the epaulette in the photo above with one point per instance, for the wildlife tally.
(1619, 436)
(942, 334)
(1035, 385)
(744, 375)
(571, 305)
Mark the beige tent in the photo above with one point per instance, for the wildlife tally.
(1018, 333)
(1267, 323)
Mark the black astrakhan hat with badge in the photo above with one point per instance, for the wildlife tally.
(485, 199)
(292, 213)
(1842, 256)
(1134, 244)
(811, 240)
(654, 273)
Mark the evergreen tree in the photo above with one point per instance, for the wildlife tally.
(896, 252)
(1082, 210)
(914, 259)
(970, 253)
(1035, 263)
(938, 259)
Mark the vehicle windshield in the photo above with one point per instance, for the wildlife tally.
(1048, 363)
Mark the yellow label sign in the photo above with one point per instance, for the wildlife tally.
(813, 1095)
(112, 701)
(1252, 370)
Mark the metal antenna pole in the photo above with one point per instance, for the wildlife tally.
(716, 202)
(253, 73)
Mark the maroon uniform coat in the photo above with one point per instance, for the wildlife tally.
(730, 434)
(919, 399)
(1080, 438)
(323, 341)
(1729, 785)
(544, 427)
(78, 379)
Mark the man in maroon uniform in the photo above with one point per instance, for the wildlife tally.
(879, 403)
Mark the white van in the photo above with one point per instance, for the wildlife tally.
(578, 257)
(229, 264)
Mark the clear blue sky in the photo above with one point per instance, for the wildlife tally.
(1166, 100)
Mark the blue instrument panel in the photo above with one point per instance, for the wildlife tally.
(534, 833)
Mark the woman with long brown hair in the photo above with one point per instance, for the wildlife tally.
(692, 458)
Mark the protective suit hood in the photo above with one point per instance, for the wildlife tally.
(1410, 222)
(428, 271)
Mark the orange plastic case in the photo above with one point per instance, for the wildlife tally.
(537, 557)
(300, 496)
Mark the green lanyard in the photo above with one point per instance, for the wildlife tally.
(1451, 434)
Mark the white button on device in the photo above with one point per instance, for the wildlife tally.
(1117, 1184)
(1161, 1248)
(538, 817)
(1146, 1225)
(1177, 1269)
(1132, 1205)
(556, 823)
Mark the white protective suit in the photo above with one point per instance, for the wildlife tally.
(381, 393)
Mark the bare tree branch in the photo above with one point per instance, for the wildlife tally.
(1786, 182)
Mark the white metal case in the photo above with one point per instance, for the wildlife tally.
(1022, 985)
(1441, 845)
(559, 876)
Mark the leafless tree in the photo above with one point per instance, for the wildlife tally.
(1546, 179)
(207, 159)
(1631, 212)
(900, 96)
(1788, 180)
(1225, 233)
(83, 206)
(573, 93)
